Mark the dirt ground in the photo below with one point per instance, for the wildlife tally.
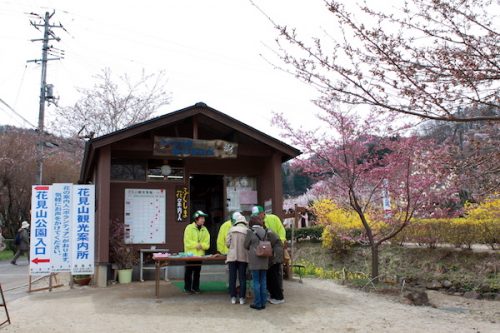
(312, 306)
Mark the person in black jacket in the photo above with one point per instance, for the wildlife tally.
(24, 242)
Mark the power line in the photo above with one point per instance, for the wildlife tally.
(17, 114)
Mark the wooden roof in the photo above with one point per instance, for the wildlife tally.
(219, 123)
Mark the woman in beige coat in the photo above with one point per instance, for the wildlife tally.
(237, 257)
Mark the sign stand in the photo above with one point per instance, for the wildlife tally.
(4, 304)
(52, 276)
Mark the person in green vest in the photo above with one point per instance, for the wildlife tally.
(271, 221)
(196, 241)
(223, 231)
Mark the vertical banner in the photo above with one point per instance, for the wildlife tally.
(386, 200)
(82, 230)
(41, 229)
(60, 259)
(181, 204)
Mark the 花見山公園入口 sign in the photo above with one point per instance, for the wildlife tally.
(62, 229)
(41, 229)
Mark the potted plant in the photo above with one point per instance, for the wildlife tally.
(121, 254)
(82, 280)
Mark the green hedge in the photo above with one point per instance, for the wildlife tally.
(9, 244)
(311, 233)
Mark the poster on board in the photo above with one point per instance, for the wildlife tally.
(145, 216)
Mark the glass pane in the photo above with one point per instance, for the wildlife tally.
(126, 169)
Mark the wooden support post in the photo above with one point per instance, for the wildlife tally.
(4, 304)
(50, 287)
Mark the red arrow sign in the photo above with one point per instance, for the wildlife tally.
(37, 260)
(41, 188)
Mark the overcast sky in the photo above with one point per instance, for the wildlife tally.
(210, 51)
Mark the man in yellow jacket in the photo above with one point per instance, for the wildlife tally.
(196, 241)
(223, 231)
(271, 221)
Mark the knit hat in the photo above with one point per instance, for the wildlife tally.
(240, 219)
(256, 210)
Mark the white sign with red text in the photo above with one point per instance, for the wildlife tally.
(42, 209)
(62, 229)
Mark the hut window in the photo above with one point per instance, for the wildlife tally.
(128, 169)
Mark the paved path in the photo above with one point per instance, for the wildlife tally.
(14, 278)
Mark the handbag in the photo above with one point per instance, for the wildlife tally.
(264, 248)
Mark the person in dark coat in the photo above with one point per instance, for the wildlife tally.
(257, 265)
(274, 274)
(24, 242)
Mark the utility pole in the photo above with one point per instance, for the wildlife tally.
(46, 90)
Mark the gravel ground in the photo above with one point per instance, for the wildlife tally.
(312, 306)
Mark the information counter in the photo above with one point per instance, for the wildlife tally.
(183, 261)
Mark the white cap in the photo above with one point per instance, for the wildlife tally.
(25, 225)
(236, 215)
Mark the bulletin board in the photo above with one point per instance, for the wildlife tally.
(145, 212)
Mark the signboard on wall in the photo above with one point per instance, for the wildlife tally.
(145, 216)
(181, 204)
(184, 147)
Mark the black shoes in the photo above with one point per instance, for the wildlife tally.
(194, 291)
(13, 263)
(255, 307)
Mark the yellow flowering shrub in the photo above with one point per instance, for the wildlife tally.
(480, 225)
(486, 218)
(342, 228)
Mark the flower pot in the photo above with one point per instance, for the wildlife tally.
(125, 275)
(82, 281)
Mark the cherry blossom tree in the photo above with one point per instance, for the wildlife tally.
(424, 58)
(360, 165)
(473, 155)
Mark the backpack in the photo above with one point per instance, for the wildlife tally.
(17, 241)
(264, 248)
